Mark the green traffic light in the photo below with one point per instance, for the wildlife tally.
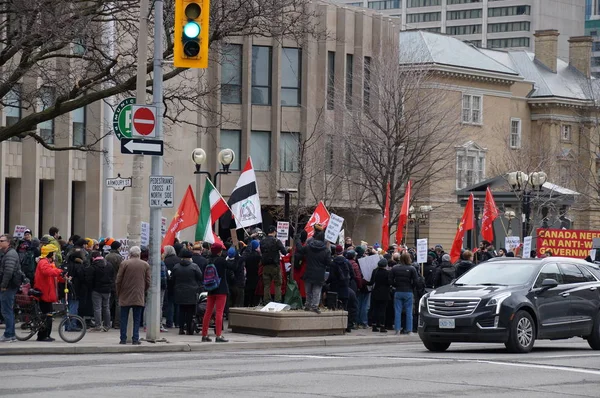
(191, 30)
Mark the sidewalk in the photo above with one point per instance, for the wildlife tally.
(108, 342)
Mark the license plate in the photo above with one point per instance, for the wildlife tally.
(446, 323)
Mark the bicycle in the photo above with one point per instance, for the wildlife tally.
(29, 319)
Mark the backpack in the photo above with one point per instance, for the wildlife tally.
(28, 264)
(211, 278)
(448, 274)
(269, 251)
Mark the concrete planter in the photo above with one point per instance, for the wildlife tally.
(287, 323)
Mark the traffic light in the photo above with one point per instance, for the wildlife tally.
(191, 33)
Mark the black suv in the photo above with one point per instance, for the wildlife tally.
(514, 301)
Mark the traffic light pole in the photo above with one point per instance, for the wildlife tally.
(153, 321)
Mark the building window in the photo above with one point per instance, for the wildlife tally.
(289, 149)
(424, 17)
(384, 4)
(509, 27)
(12, 108)
(367, 83)
(464, 14)
(349, 76)
(232, 139)
(470, 167)
(423, 3)
(78, 117)
(330, 79)
(463, 30)
(471, 109)
(260, 150)
(511, 42)
(433, 30)
(47, 99)
(329, 154)
(355, 4)
(450, 2)
(291, 72)
(508, 11)
(565, 133)
(261, 75)
(596, 46)
(515, 133)
(231, 74)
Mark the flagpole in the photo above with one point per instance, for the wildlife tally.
(226, 204)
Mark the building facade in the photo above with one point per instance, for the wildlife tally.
(486, 23)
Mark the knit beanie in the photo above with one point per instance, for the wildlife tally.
(255, 244)
(216, 248)
(47, 249)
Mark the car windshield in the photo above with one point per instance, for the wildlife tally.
(499, 273)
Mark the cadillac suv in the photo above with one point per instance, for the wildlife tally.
(514, 301)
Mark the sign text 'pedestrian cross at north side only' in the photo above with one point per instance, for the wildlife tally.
(161, 191)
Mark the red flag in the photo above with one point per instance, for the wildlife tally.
(319, 216)
(403, 217)
(186, 216)
(467, 223)
(490, 213)
(385, 228)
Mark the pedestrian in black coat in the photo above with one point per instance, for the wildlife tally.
(187, 279)
(380, 294)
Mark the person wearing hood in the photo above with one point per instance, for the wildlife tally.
(100, 280)
(318, 259)
(429, 269)
(381, 294)
(187, 279)
(445, 272)
(466, 264)
(46, 277)
(250, 261)
(171, 260)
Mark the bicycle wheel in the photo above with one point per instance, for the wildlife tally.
(26, 325)
(72, 328)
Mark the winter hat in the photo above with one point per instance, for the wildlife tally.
(446, 257)
(109, 242)
(382, 263)
(185, 253)
(216, 248)
(115, 245)
(339, 249)
(439, 247)
(45, 239)
(80, 242)
(47, 249)
(350, 254)
(432, 254)
(272, 229)
(231, 252)
(360, 250)
(27, 231)
(255, 244)
(376, 246)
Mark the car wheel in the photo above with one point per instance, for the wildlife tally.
(436, 346)
(594, 338)
(522, 333)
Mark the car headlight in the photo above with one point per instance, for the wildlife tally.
(423, 301)
(497, 301)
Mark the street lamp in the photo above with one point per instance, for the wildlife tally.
(418, 217)
(509, 215)
(225, 157)
(519, 181)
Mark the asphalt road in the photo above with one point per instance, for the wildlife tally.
(567, 368)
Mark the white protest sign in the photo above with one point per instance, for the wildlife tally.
(124, 249)
(283, 231)
(163, 226)
(334, 228)
(19, 231)
(512, 242)
(145, 234)
(422, 250)
(342, 236)
(367, 265)
(275, 307)
(526, 247)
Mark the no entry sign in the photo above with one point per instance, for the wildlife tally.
(143, 121)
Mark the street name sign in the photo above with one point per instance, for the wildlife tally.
(122, 118)
(161, 191)
(119, 183)
(133, 146)
(143, 119)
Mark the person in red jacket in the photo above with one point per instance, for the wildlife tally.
(46, 276)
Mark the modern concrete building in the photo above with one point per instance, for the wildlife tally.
(486, 23)
(592, 28)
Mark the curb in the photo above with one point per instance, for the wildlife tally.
(199, 347)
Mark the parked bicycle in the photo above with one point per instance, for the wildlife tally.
(29, 319)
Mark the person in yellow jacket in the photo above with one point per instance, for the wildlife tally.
(52, 239)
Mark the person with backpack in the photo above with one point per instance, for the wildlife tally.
(10, 281)
(403, 277)
(270, 248)
(215, 283)
(445, 273)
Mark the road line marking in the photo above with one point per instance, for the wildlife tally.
(549, 367)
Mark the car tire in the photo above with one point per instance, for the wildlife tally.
(435, 346)
(594, 338)
(522, 333)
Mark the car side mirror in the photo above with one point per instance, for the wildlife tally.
(549, 284)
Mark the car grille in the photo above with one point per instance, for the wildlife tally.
(452, 307)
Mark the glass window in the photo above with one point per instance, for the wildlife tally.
(260, 150)
(511, 42)
(47, 99)
(550, 271)
(464, 14)
(507, 11)
(291, 72)
(509, 27)
(231, 74)
(12, 108)
(423, 3)
(515, 133)
(565, 133)
(349, 77)
(78, 120)
(587, 274)
(471, 109)
(232, 139)
(463, 1)
(507, 273)
(261, 75)
(367, 83)
(470, 167)
(463, 30)
(330, 79)
(572, 274)
(383, 4)
(289, 148)
(424, 17)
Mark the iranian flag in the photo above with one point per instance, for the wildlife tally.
(212, 207)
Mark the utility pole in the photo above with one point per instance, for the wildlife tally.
(153, 321)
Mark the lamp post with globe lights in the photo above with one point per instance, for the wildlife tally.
(417, 217)
(225, 157)
(519, 182)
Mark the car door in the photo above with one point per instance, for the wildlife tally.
(553, 305)
(583, 291)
